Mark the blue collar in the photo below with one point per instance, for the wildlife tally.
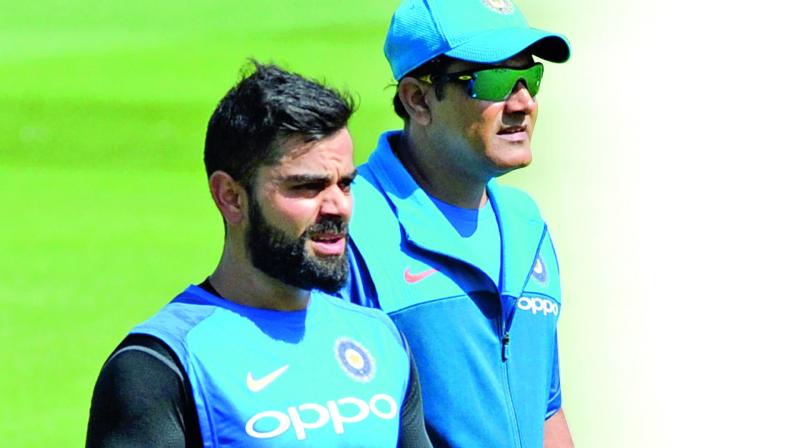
(521, 227)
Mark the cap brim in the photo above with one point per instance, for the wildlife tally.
(496, 46)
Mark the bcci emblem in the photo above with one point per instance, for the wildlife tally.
(354, 359)
(539, 271)
(500, 6)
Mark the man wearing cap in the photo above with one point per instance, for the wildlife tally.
(464, 266)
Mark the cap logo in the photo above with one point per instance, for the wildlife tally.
(500, 6)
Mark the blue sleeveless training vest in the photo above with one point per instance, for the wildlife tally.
(332, 375)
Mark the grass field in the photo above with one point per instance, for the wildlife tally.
(103, 107)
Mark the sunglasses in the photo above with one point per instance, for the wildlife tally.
(495, 83)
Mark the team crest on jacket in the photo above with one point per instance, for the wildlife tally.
(500, 6)
(539, 272)
(354, 359)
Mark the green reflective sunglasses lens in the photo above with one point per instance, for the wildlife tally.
(496, 84)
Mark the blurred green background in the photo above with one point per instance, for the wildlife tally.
(103, 108)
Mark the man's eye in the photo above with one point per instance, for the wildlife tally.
(311, 186)
(344, 184)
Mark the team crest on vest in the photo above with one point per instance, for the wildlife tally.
(354, 359)
(539, 272)
(500, 6)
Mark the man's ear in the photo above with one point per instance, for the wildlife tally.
(229, 196)
(412, 94)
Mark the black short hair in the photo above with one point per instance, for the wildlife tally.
(435, 66)
(266, 106)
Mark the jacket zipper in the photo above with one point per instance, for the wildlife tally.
(505, 341)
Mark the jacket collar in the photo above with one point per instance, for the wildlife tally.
(521, 228)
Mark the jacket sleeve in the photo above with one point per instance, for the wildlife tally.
(554, 400)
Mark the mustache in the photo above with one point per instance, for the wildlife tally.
(327, 225)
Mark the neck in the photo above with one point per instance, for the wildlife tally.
(237, 280)
(426, 164)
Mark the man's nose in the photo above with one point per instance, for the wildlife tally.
(337, 202)
(520, 99)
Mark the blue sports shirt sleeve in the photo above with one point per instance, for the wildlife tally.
(554, 401)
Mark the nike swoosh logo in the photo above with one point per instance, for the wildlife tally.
(414, 278)
(256, 385)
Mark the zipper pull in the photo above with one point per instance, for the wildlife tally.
(506, 341)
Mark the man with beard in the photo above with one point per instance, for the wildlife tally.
(259, 354)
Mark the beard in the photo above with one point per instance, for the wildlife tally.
(284, 258)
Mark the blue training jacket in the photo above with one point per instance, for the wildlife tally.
(332, 375)
(487, 358)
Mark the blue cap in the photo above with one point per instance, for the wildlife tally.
(482, 31)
